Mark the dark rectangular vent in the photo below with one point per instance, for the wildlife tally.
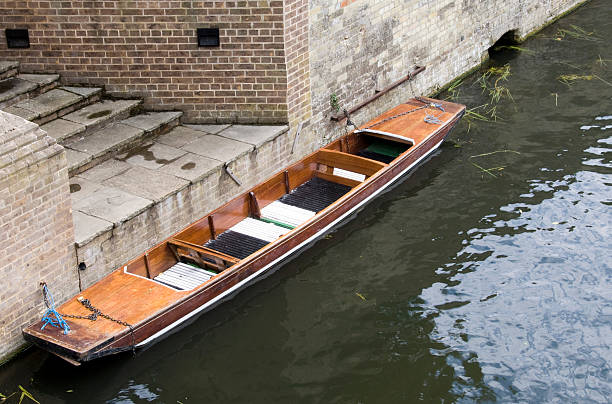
(208, 36)
(17, 38)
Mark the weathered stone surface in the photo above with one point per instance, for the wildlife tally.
(217, 147)
(76, 158)
(152, 156)
(255, 135)
(87, 227)
(180, 136)
(20, 112)
(149, 184)
(6, 65)
(210, 129)
(110, 138)
(81, 188)
(100, 111)
(191, 167)
(150, 121)
(105, 170)
(39, 79)
(60, 129)
(83, 91)
(49, 102)
(112, 204)
(13, 87)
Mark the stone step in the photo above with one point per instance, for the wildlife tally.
(25, 86)
(55, 103)
(8, 69)
(91, 118)
(84, 152)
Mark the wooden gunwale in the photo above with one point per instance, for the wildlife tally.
(259, 261)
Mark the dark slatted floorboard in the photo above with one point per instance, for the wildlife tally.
(315, 194)
(235, 244)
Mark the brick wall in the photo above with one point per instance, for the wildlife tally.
(149, 49)
(36, 232)
(298, 60)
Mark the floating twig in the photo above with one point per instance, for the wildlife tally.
(488, 170)
(576, 33)
(515, 48)
(362, 297)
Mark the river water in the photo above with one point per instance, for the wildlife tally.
(485, 276)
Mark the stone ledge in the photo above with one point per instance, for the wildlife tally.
(128, 204)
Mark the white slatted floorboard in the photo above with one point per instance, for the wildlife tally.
(258, 229)
(283, 213)
(184, 277)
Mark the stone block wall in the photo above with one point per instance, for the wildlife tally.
(357, 47)
(36, 231)
(149, 49)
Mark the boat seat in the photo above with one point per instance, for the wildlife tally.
(183, 276)
(259, 229)
(286, 214)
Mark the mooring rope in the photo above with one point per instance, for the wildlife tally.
(51, 316)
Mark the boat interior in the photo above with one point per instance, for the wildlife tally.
(269, 211)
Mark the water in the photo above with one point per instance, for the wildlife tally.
(457, 286)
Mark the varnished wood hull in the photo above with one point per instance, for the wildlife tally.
(251, 268)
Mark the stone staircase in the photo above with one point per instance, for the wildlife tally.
(136, 171)
(91, 127)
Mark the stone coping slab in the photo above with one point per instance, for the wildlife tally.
(192, 167)
(217, 147)
(105, 170)
(152, 156)
(255, 135)
(87, 227)
(210, 129)
(150, 184)
(149, 121)
(111, 204)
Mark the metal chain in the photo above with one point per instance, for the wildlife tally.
(429, 118)
(95, 313)
(395, 116)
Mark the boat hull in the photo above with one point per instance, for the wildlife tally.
(254, 267)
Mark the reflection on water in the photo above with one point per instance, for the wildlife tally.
(457, 285)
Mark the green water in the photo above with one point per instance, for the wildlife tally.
(459, 285)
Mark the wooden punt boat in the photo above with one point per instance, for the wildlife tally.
(232, 246)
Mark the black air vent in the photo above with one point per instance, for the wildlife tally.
(208, 36)
(17, 38)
